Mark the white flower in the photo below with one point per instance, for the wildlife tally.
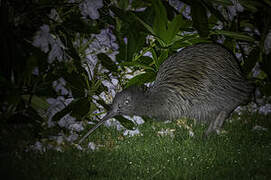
(57, 105)
(78, 126)
(191, 133)
(114, 123)
(59, 86)
(42, 38)
(259, 128)
(35, 71)
(267, 43)
(176, 4)
(59, 140)
(266, 109)
(72, 137)
(166, 132)
(131, 133)
(56, 51)
(38, 146)
(92, 146)
(90, 8)
(256, 70)
(103, 41)
(54, 15)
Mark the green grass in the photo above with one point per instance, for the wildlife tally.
(240, 153)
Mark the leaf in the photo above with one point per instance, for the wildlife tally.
(76, 82)
(266, 64)
(140, 79)
(160, 20)
(80, 107)
(234, 35)
(173, 28)
(222, 2)
(136, 41)
(200, 19)
(123, 4)
(146, 60)
(137, 64)
(93, 107)
(214, 11)
(37, 103)
(148, 27)
(250, 5)
(266, 89)
(106, 106)
(75, 24)
(268, 2)
(101, 89)
(107, 62)
(162, 57)
(188, 41)
(64, 37)
(60, 114)
(125, 122)
(125, 16)
(251, 60)
(155, 59)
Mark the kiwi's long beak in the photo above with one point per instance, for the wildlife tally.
(109, 115)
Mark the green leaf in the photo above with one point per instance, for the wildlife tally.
(148, 27)
(234, 35)
(106, 106)
(251, 60)
(266, 89)
(155, 58)
(37, 103)
(65, 37)
(160, 20)
(76, 83)
(266, 64)
(80, 107)
(163, 56)
(140, 79)
(125, 16)
(173, 28)
(268, 2)
(145, 60)
(125, 122)
(222, 2)
(107, 62)
(188, 40)
(200, 19)
(137, 64)
(214, 11)
(123, 4)
(93, 107)
(75, 24)
(136, 41)
(62, 113)
(250, 5)
(101, 88)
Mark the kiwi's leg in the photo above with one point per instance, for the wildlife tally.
(217, 123)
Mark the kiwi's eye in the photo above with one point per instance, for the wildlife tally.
(126, 102)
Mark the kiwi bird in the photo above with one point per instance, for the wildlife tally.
(203, 82)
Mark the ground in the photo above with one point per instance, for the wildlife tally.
(161, 151)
